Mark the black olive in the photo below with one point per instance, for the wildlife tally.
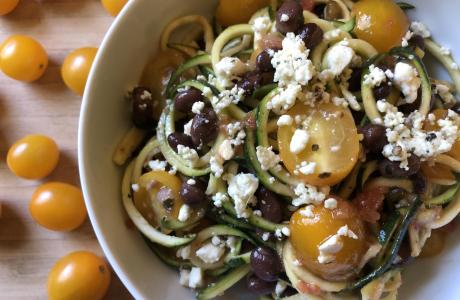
(374, 137)
(392, 168)
(382, 91)
(319, 10)
(417, 41)
(205, 127)
(354, 83)
(332, 11)
(250, 82)
(311, 34)
(269, 205)
(143, 108)
(266, 263)
(258, 286)
(396, 194)
(289, 17)
(193, 194)
(178, 138)
(185, 100)
(264, 61)
(267, 78)
(419, 182)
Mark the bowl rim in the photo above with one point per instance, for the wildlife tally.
(119, 21)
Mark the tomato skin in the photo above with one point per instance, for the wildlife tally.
(76, 67)
(7, 6)
(33, 157)
(80, 275)
(113, 7)
(384, 23)
(58, 206)
(231, 12)
(23, 58)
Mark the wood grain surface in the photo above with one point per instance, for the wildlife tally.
(28, 251)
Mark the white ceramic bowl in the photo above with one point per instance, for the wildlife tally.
(105, 118)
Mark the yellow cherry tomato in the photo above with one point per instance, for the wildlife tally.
(58, 206)
(309, 232)
(80, 275)
(7, 6)
(380, 22)
(33, 157)
(231, 12)
(153, 182)
(113, 7)
(333, 143)
(23, 58)
(76, 67)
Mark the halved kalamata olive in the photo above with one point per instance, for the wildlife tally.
(204, 127)
(332, 11)
(193, 194)
(250, 82)
(396, 194)
(269, 205)
(311, 34)
(382, 91)
(289, 17)
(374, 137)
(264, 61)
(417, 41)
(185, 100)
(392, 168)
(266, 263)
(258, 286)
(143, 108)
(267, 78)
(178, 138)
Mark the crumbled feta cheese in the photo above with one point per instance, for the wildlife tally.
(420, 29)
(218, 199)
(241, 189)
(271, 180)
(135, 187)
(210, 253)
(233, 128)
(306, 168)
(406, 135)
(173, 170)
(185, 212)
(261, 27)
(232, 243)
(285, 98)
(191, 181)
(328, 248)
(216, 241)
(266, 157)
(299, 141)
(157, 165)
(227, 97)
(280, 288)
(444, 93)
(345, 231)
(445, 51)
(364, 22)
(338, 58)
(284, 120)
(332, 34)
(184, 277)
(307, 211)
(216, 163)
(284, 18)
(207, 92)
(184, 252)
(375, 77)
(196, 278)
(330, 203)
(286, 231)
(291, 64)
(226, 150)
(257, 213)
(146, 95)
(265, 236)
(339, 101)
(188, 154)
(406, 78)
(406, 38)
(307, 194)
(228, 69)
(197, 107)
(188, 127)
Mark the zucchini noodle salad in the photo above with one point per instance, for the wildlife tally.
(298, 146)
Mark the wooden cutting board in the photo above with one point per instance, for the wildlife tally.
(28, 251)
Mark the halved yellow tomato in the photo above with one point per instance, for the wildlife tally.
(162, 182)
(309, 232)
(333, 143)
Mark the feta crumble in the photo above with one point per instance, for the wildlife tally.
(338, 58)
(228, 69)
(280, 288)
(299, 141)
(185, 212)
(261, 27)
(188, 154)
(375, 77)
(284, 120)
(241, 189)
(218, 199)
(184, 252)
(285, 98)
(420, 29)
(226, 150)
(307, 194)
(191, 181)
(330, 203)
(197, 107)
(364, 22)
(284, 18)
(135, 187)
(406, 78)
(329, 248)
(307, 211)
(157, 165)
(227, 97)
(444, 93)
(266, 157)
(216, 164)
(196, 278)
(305, 168)
(210, 253)
(188, 127)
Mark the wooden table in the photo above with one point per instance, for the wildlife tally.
(28, 251)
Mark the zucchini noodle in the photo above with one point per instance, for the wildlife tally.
(262, 149)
